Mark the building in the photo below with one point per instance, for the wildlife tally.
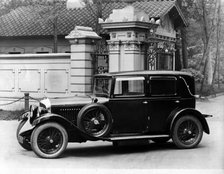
(23, 31)
(142, 36)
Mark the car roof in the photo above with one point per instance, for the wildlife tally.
(130, 73)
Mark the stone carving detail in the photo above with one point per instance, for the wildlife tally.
(127, 14)
(113, 45)
(166, 47)
(131, 45)
(82, 32)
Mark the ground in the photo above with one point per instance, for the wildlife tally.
(10, 115)
(101, 157)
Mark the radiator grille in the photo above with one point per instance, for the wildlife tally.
(69, 112)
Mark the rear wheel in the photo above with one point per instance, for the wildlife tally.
(49, 140)
(187, 132)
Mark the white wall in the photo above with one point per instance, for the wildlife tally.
(38, 74)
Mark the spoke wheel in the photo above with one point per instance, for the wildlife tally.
(95, 120)
(23, 141)
(187, 132)
(49, 140)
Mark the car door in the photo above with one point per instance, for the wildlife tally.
(129, 106)
(163, 99)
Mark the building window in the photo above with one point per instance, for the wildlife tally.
(164, 61)
(129, 34)
(113, 35)
(15, 50)
(42, 50)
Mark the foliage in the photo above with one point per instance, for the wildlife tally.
(197, 74)
(203, 55)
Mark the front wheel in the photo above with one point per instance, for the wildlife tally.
(187, 132)
(49, 140)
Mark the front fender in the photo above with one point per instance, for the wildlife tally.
(188, 111)
(74, 133)
(50, 116)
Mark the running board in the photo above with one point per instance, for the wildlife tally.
(139, 137)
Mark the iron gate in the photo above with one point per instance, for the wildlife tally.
(101, 57)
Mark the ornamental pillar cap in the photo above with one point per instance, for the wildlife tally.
(81, 32)
(128, 17)
(127, 14)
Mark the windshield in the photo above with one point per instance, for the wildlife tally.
(102, 86)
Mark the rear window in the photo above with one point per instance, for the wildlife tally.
(163, 86)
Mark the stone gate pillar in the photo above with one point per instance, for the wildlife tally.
(129, 29)
(82, 40)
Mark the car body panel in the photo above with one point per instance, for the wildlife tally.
(128, 119)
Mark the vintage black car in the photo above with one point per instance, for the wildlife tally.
(142, 105)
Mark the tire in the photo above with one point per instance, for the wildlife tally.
(187, 132)
(95, 119)
(49, 140)
(161, 140)
(23, 141)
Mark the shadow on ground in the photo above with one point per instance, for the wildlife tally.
(105, 150)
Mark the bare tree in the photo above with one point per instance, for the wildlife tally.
(206, 11)
(49, 12)
(217, 56)
(183, 33)
(9, 5)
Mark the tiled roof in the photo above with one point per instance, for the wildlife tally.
(24, 21)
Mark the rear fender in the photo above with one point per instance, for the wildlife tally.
(188, 111)
(74, 133)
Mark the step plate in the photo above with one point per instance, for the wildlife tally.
(139, 137)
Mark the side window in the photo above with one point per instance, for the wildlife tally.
(129, 86)
(163, 86)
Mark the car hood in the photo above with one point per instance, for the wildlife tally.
(76, 100)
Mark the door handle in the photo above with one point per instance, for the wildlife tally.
(145, 102)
